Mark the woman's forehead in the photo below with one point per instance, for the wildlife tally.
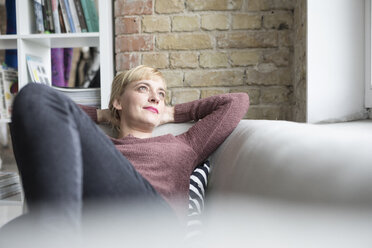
(151, 80)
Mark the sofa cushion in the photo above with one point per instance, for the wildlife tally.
(296, 161)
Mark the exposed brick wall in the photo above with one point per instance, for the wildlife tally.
(213, 46)
(300, 17)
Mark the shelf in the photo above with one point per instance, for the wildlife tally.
(52, 40)
(64, 40)
(4, 120)
(8, 41)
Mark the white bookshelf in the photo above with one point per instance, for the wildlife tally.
(29, 43)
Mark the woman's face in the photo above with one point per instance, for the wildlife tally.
(142, 104)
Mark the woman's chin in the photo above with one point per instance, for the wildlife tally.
(152, 124)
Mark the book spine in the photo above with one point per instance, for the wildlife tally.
(69, 16)
(6, 175)
(92, 69)
(58, 78)
(45, 19)
(57, 25)
(94, 15)
(80, 13)
(10, 78)
(64, 15)
(10, 190)
(91, 16)
(74, 15)
(61, 22)
(49, 14)
(9, 181)
(2, 96)
(38, 16)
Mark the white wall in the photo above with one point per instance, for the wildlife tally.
(335, 59)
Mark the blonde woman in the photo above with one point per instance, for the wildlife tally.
(65, 160)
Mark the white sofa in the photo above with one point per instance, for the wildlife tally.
(287, 184)
(276, 184)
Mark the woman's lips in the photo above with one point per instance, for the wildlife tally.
(152, 109)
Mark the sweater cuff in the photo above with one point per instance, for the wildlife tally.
(181, 113)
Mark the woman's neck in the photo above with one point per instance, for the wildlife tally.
(125, 131)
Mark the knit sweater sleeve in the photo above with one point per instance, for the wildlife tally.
(90, 111)
(216, 117)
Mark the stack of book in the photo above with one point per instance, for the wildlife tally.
(9, 184)
(8, 89)
(84, 96)
(65, 16)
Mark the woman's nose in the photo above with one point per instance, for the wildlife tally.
(153, 98)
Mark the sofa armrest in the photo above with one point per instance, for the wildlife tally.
(298, 161)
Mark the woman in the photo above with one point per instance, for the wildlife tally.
(65, 160)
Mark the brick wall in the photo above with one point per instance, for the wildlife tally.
(299, 81)
(213, 46)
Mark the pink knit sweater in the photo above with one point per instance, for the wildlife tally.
(167, 161)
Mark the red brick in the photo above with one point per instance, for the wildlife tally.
(133, 7)
(127, 25)
(129, 43)
(127, 61)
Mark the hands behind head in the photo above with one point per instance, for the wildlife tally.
(103, 115)
(168, 115)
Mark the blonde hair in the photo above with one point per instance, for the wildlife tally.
(121, 81)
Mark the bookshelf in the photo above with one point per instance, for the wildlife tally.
(27, 42)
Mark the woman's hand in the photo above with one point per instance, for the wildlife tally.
(168, 115)
(103, 115)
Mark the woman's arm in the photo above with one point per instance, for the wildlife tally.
(103, 115)
(216, 117)
(97, 115)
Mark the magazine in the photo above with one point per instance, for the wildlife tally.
(37, 71)
(8, 89)
(9, 184)
(84, 96)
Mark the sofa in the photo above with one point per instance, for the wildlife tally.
(287, 184)
(276, 184)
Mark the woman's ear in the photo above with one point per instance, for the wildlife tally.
(117, 104)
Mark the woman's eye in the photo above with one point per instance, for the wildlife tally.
(142, 88)
(162, 94)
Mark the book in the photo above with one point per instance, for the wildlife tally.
(8, 178)
(72, 80)
(2, 98)
(61, 64)
(55, 14)
(36, 69)
(64, 16)
(49, 15)
(90, 14)
(6, 175)
(10, 190)
(8, 90)
(69, 16)
(93, 69)
(74, 15)
(39, 22)
(61, 21)
(45, 20)
(79, 10)
(9, 184)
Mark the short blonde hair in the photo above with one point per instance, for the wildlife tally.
(121, 81)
